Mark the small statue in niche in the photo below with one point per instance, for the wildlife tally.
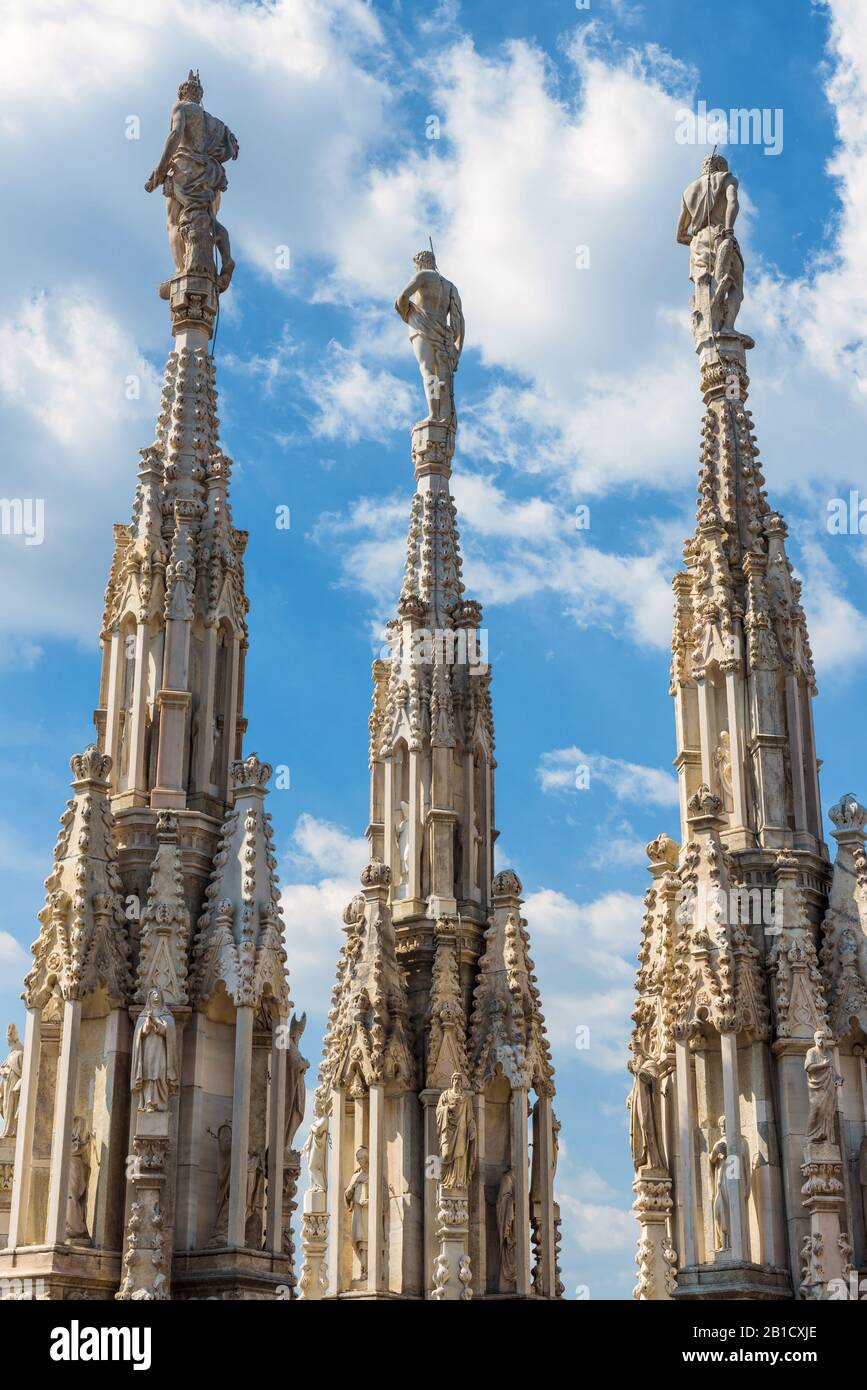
(257, 1172)
(722, 759)
(316, 1153)
(154, 1054)
(357, 1198)
(296, 1090)
(506, 1231)
(722, 1217)
(223, 1137)
(822, 1082)
(79, 1178)
(10, 1083)
(643, 1109)
(402, 826)
(456, 1127)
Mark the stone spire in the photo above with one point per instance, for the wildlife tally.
(435, 1035)
(738, 1183)
(141, 1035)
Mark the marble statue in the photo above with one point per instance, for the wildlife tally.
(257, 1172)
(403, 828)
(79, 1177)
(316, 1153)
(296, 1091)
(456, 1127)
(10, 1083)
(191, 175)
(154, 1054)
(506, 1230)
(723, 763)
(643, 1109)
(223, 1137)
(822, 1082)
(431, 307)
(709, 209)
(357, 1197)
(722, 1216)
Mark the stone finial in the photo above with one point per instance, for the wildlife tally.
(354, 910)
(375, 875)
(663, 852)
(848, 816)
(506, 884)
(704, 803)
(249, 774)
(91, 765)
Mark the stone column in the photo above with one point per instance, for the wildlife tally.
(112, 701)
(547, 1237)
(734, 706)
(478, 1224)
(376, 1192)
(137, 778)
(240, 1126)
(522, 1193)
(19, 1213)
(336, 1205)
(64, 1104)
(429, 1098)
(686, 1131)
(803, 837)
(276, 1139)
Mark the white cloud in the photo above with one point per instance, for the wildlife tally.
(318, 844)
(12, 954)
(313, 911)
(353, 402)
(628, 781)
(584, 953)
(838, 631)
(74, 389)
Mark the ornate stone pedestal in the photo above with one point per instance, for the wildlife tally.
(314, 1233)
(7, 1161)
(656, 1256)
(826, 1254)
(147, 1247)
(451, 1273)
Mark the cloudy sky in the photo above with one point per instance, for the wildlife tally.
(537, 144)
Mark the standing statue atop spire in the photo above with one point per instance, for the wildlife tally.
(431, 306)
(708, 213)
(192, 178)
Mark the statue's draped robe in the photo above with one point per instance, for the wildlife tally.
(155, 1059)
(457, 1136)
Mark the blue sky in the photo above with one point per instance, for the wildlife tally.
(578, 387)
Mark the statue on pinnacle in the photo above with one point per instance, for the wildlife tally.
(191, 175)
(431, 307)
(709, 209)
